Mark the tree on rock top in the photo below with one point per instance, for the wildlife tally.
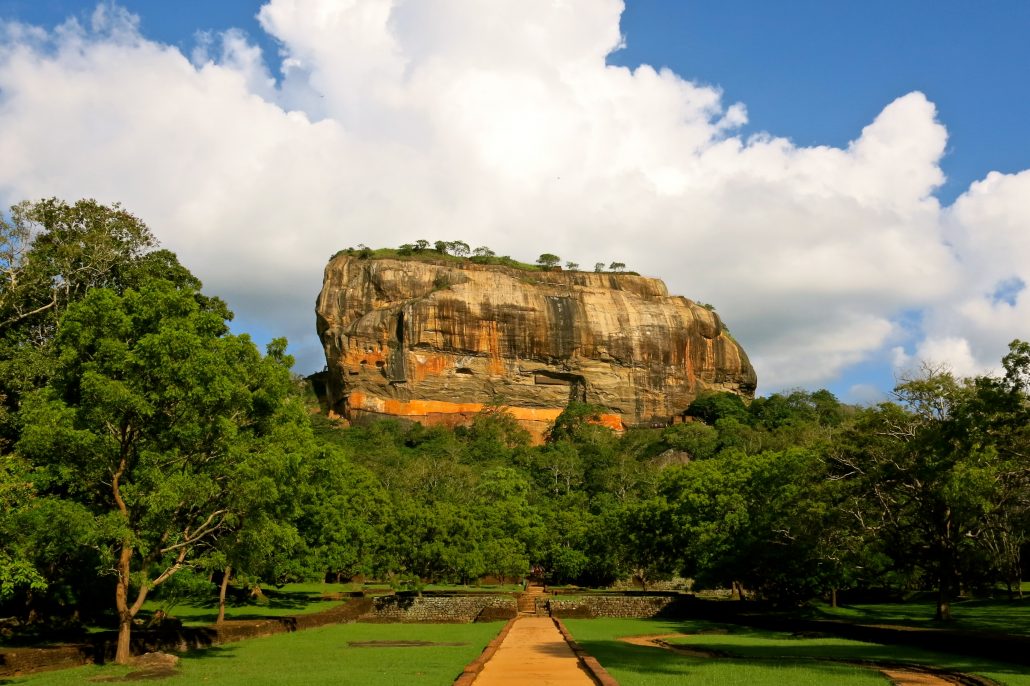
(548, 261)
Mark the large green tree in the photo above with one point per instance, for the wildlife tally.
(939, 478)
(151, 411)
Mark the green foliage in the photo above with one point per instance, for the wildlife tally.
(711, 407)
(161, 425)
(577, 421)
(548, 261)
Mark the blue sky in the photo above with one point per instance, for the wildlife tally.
(818, 71)
(945, 81)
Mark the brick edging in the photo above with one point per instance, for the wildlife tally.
(472, 669)
(589, 662)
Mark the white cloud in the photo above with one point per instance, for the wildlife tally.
(502, 125)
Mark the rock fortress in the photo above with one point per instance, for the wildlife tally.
(438, 341)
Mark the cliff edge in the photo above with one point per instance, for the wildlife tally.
(438, 341)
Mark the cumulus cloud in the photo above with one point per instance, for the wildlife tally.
(502, 125)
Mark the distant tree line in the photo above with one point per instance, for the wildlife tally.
(481, 255)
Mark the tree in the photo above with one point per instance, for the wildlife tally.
(421, 245)
(548, 261)
(617, 266)
(51, 254)
(17, 559)
(459, 248)
(576, 420)
(572, 266)
(647, 541)
(343, 512)
(699, 441)
(751, 521)
(929, 477)
(711, 407)
(483, 251)
(441, 247)
(153, 408)
(599, 267)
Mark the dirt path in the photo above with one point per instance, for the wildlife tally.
(533, 652)
(899, 676)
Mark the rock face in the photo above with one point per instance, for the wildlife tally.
(437, 342)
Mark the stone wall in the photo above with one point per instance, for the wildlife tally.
(14, 661)
(406, 608)
(590, 606)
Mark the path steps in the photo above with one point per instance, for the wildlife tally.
(533, 652)
(532, 601)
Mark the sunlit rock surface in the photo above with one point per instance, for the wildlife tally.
(436, 342)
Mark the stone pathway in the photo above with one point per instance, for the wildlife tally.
(529, 599)
(533, 652)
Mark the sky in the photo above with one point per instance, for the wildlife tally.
(846, 182)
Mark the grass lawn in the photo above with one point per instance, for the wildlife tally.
(285, 601)
(289, 600)
(985, 614)
(314, 657)
(483, 588)
(765, 657)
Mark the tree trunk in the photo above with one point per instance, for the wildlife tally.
(833, 597)
(121, 599)
(221, 594)
(944, 589)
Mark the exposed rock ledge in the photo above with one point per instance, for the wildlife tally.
(437, 342)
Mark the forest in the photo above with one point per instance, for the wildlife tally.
(147, 449)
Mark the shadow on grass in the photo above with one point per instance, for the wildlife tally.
(990, 615)
(277, 604)
(219, 652)
(623, 656)
(617, 656)
(830, 650)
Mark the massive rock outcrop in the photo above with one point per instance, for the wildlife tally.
(438, 341)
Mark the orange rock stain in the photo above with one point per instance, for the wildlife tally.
(490, 341)
(434, 412)
(611, 421)
(356, 357)
(424, 365)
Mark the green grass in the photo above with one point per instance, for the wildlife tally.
(484, 588)
(314, 657)
(644, 666)
(286, 601)
(988, 614)
(289, 600)
(760, 657)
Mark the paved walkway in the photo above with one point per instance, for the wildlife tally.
(533, 652)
